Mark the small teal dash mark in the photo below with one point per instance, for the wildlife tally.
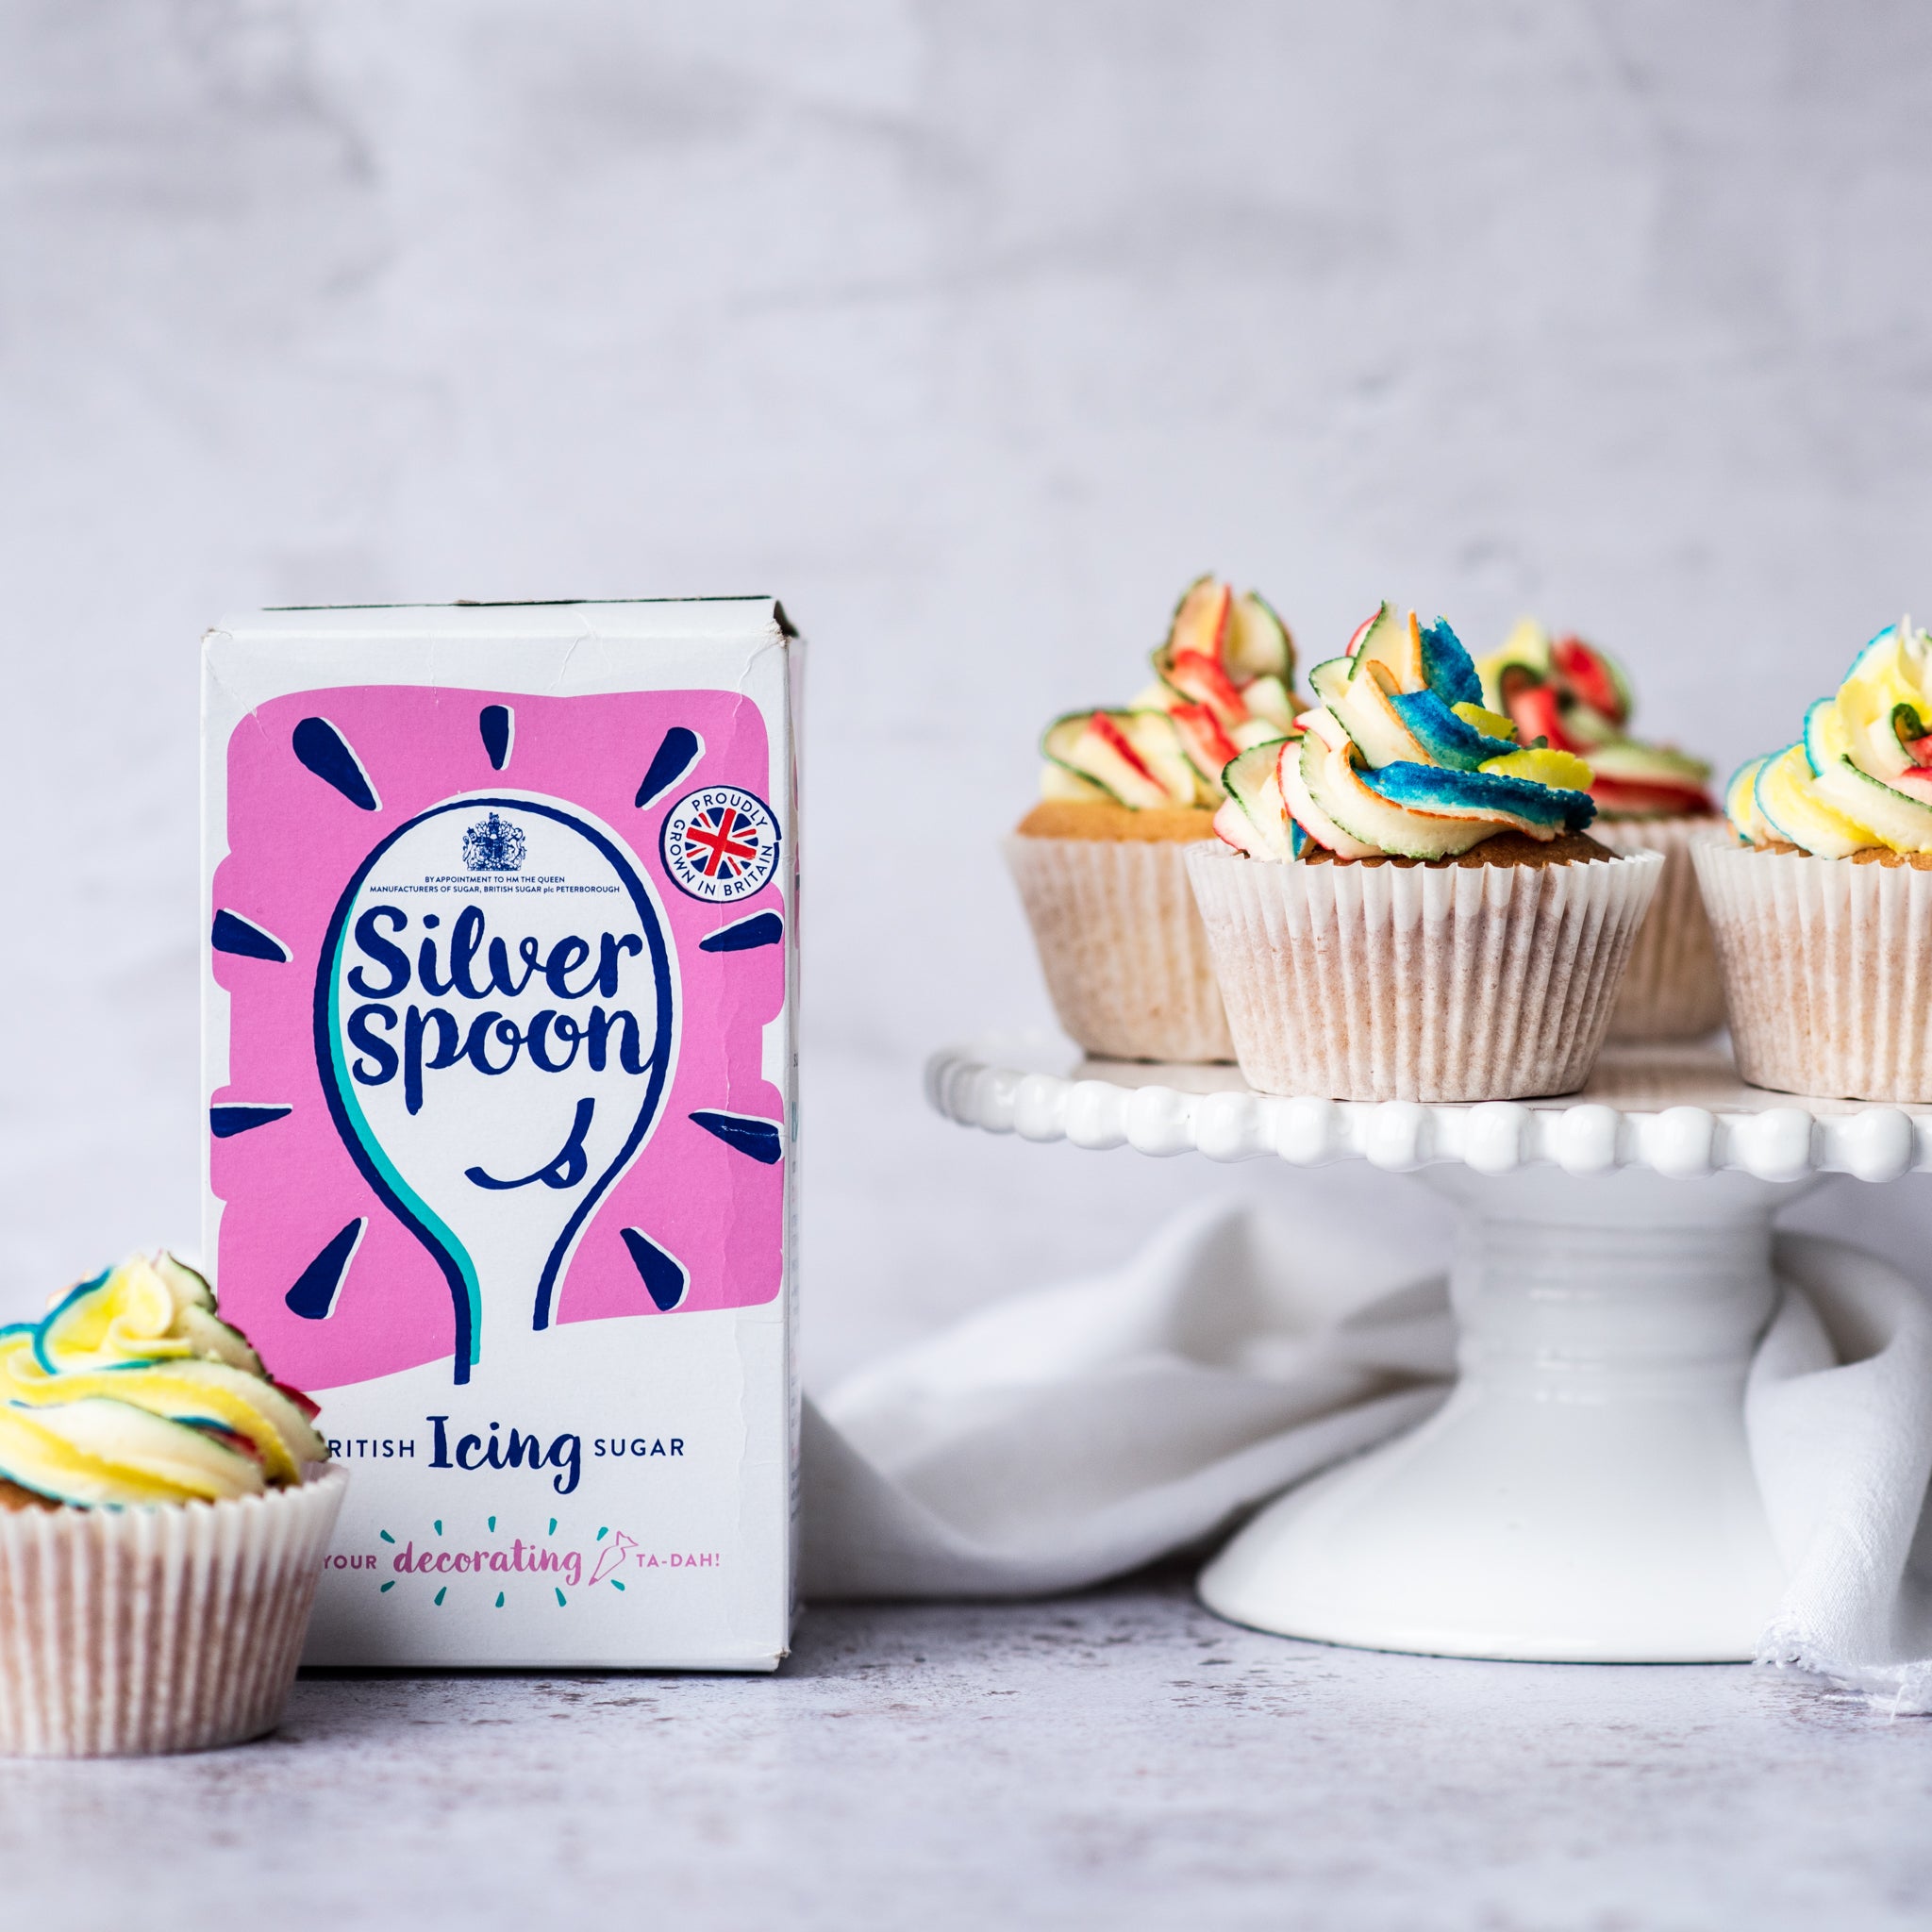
(602, 1532)
(440, 1594)
(561, 1599)
(389, 1585)
(499, 1599)
(385, 1535)
(439, 1525)
(615, 1584)
(552, 1526)
(492, 1523)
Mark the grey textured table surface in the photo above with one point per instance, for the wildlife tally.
(1118, 1759)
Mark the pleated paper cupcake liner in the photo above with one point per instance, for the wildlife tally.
(1827, 971)
(1672, 989)
(129, 1632)
(1121, 946)
(1385, 982)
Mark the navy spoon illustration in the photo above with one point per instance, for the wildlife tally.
(496, 1028)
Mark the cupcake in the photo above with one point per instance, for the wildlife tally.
(1575, 698)
(164, 1510)
(1403, 903)
(1822, 905)
(1098, 860)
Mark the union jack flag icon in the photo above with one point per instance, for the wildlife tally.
(721, 842)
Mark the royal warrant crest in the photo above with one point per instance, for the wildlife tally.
(492, 845)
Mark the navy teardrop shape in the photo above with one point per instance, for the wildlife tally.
(496, 723)
(758, 1139)
(313, 1296)
(226, 1121)
(326, 753)
(664, 1276)
(760, 929)
(676, 754)
(234, 934)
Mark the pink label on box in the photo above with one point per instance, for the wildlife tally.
(499, 969)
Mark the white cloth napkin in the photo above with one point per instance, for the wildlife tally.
(1078, 1432)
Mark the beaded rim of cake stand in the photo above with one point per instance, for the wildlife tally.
(1782, 1142)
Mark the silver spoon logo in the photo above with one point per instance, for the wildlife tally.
(496, 1027)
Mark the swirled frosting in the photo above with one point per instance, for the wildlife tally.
(1860, 779)
(1400, 759)
(1223, 681)
(1577, 698)
(132, 1391)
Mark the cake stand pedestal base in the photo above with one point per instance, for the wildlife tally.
(1586, 1494)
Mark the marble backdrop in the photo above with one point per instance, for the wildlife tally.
(971, 330)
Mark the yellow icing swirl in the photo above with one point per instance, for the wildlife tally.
(1860, 776)
(132, 1391)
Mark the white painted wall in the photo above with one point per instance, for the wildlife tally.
(973, 330)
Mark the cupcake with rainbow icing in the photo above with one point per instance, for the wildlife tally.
(1577, 698)
(1822, 904)
(166, 1507)
(1124, 791)
(1404, 902)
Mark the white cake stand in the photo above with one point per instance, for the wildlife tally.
(1586, 1493)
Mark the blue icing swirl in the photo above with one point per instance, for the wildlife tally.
(1400, 757)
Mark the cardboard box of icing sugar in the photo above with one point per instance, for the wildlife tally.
(498, 1056)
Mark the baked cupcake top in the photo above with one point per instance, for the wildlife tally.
(1860, 779)
(131, 1390)
(1400, 759)
(1224, 679)
(1575, 698)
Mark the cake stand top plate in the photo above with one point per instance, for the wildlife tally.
(1675, 1110)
